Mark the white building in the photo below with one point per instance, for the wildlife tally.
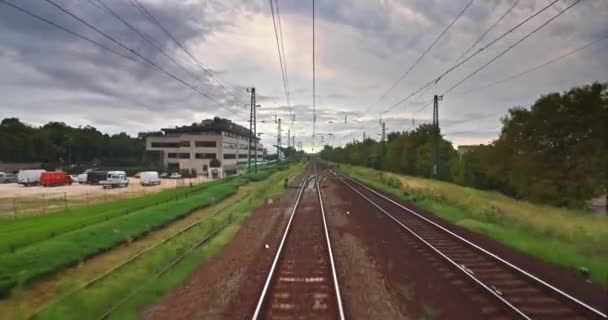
(193, 147)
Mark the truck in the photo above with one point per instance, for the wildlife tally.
(29, 177)
(149, 178)
(115, 179)
(54, 178)
(95, 176)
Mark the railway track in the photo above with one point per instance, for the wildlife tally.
(302, 281)
(506, 286)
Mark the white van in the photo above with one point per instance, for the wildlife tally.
(149, 178)
(115, 179)
(29, 177)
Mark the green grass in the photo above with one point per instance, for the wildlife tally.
(568, 238)
(93, 301)
(68, 248)
(21, 232)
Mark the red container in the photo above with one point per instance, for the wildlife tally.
(54, 178)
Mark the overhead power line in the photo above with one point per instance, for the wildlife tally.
(101, 5)
(510, 47)
(146, 62)
(281, 53)
(454, 67)
(505, 51)
(488, 30)
(288, 94)
(68, 30)
(139, 6)
(421, 56)
(314, 76)
(541, 65)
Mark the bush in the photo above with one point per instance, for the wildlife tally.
(215, 163)
(185, 173)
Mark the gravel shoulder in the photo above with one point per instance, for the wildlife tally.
(226, 285)
(364, 288)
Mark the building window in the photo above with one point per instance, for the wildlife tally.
(178, 155)
(165, 145)
(229, 145)
(206, 144)
(242, 156)
(205, 168)
(204, 155)
(184, 143)
(229, 156)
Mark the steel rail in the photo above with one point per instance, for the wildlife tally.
(270, 276)
(177, 259)
(331, 255)
(452, 262)
(488, 253)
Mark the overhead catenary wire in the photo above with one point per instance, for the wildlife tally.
(147, 62)
(541, 65)
(280, 51)
(293, 119)
(488, 30)
(510, 47)
(505, 51)
(25, 11)
(314, 88)
(435, 80)
(445, 30)
(100, 4)
(139, 6)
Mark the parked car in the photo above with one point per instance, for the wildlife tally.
(54, 178)
(149, 178)
(29, 177)
(82, 178)
(7, 177)
(164, 175)
(175, 175)
(115, 179)
(94, 177)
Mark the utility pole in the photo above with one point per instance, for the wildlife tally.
(383, 143)
(383, 132)
(278, 137)
(435, 151)
(363, 135)
(288, 138)
(251, 127)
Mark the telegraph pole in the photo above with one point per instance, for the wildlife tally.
(278, 137)
(255, 132)
(435, 151)
(251, 110)
(288, 138)
(363, 135)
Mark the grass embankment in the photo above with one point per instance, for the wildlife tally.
(141, 274)
(569, 238)
(20, 232)
(63, 248)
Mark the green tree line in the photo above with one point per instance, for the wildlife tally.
(553, 152)
(56, 143)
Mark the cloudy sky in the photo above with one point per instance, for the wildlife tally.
(362, 48)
